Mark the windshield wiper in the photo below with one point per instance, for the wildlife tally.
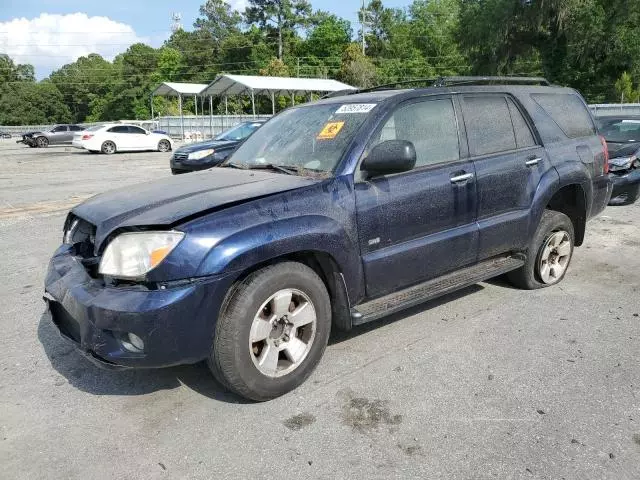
(279, 168)
(240, 166)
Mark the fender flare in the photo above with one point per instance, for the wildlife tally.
(262, 243)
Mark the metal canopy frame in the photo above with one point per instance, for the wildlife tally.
(246, 85)
(173, 89)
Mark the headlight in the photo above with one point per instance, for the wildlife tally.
(131, 255)
(622, 163)
(200, 154)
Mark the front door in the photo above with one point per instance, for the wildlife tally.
(139, 140)
(59, 135)
(420, 224)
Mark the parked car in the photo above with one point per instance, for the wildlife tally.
(623, 139)
(5, 135)
(117, 137)
(207, 154)
(332, 214)
(58, 135)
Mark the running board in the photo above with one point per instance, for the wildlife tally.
(395, 302)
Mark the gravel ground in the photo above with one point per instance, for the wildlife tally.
(491, 382)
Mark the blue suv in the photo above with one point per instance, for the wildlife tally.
(332, 214)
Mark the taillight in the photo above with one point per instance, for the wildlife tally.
(86, 137)
(605, 152)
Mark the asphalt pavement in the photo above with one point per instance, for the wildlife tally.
(491, 382)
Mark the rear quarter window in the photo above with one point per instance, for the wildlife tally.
(568, 111)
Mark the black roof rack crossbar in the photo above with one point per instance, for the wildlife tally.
(448, 82)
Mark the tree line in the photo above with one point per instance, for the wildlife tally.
(591, 45)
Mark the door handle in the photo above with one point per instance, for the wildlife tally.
(462, 178)
(532, 162)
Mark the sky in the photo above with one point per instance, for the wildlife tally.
(51, 33)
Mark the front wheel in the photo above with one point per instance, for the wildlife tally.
(164, 146)
(549, 253)
(42, 142)
(273, 331)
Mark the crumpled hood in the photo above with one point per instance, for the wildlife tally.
(168, 201)
(194, 147)
(625, 150)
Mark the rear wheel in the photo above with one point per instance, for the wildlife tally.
(272, 332)
(549, 253)
(164, 146)
(42, 142)
(108, 147)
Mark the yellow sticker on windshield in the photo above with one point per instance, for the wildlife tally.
(330, 130)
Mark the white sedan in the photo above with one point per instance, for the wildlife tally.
(118, 137)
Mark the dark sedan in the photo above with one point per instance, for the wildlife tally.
(207, 154)
(623, 139)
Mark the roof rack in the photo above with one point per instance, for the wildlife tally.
(448, 82)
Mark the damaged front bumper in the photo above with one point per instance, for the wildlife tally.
(176, 323)
(626, 187)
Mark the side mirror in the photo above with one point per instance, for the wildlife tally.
(392, 156)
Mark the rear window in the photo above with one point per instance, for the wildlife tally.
(568, 112)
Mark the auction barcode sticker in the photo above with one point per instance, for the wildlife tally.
(356, 108)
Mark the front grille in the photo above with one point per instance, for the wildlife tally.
(180, 156)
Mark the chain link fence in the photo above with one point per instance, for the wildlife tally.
(206, 126)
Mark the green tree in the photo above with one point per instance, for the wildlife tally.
(624, 89)
(356, 69)
(281, 16)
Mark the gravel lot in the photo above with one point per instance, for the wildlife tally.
(491, 382)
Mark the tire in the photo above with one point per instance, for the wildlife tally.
(239, 359)
(42, 142)
(554, 239)
(164, 146)
(108, 147)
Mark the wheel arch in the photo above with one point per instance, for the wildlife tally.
(572, 201)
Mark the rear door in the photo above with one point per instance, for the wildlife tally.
(509, 162)
(417, 225)
(119, 134)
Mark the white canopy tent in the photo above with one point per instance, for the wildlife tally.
(251, 85)
(173, 89)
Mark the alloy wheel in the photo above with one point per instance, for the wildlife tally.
(282, 332)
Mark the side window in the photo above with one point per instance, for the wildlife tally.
(431, 127)
(568, 111)
(488, 123)
(59, 129)
(524, 137)
(137, 130)
(119, 129)
(75, 128)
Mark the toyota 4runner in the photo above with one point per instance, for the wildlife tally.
(333, 214)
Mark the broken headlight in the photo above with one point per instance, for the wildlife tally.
(132, 255)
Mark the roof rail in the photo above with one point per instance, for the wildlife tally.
(447, 82)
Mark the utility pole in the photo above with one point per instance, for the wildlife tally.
(362, 22)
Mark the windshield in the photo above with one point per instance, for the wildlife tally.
(312, 137)
(94, 128)
(239, 132)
